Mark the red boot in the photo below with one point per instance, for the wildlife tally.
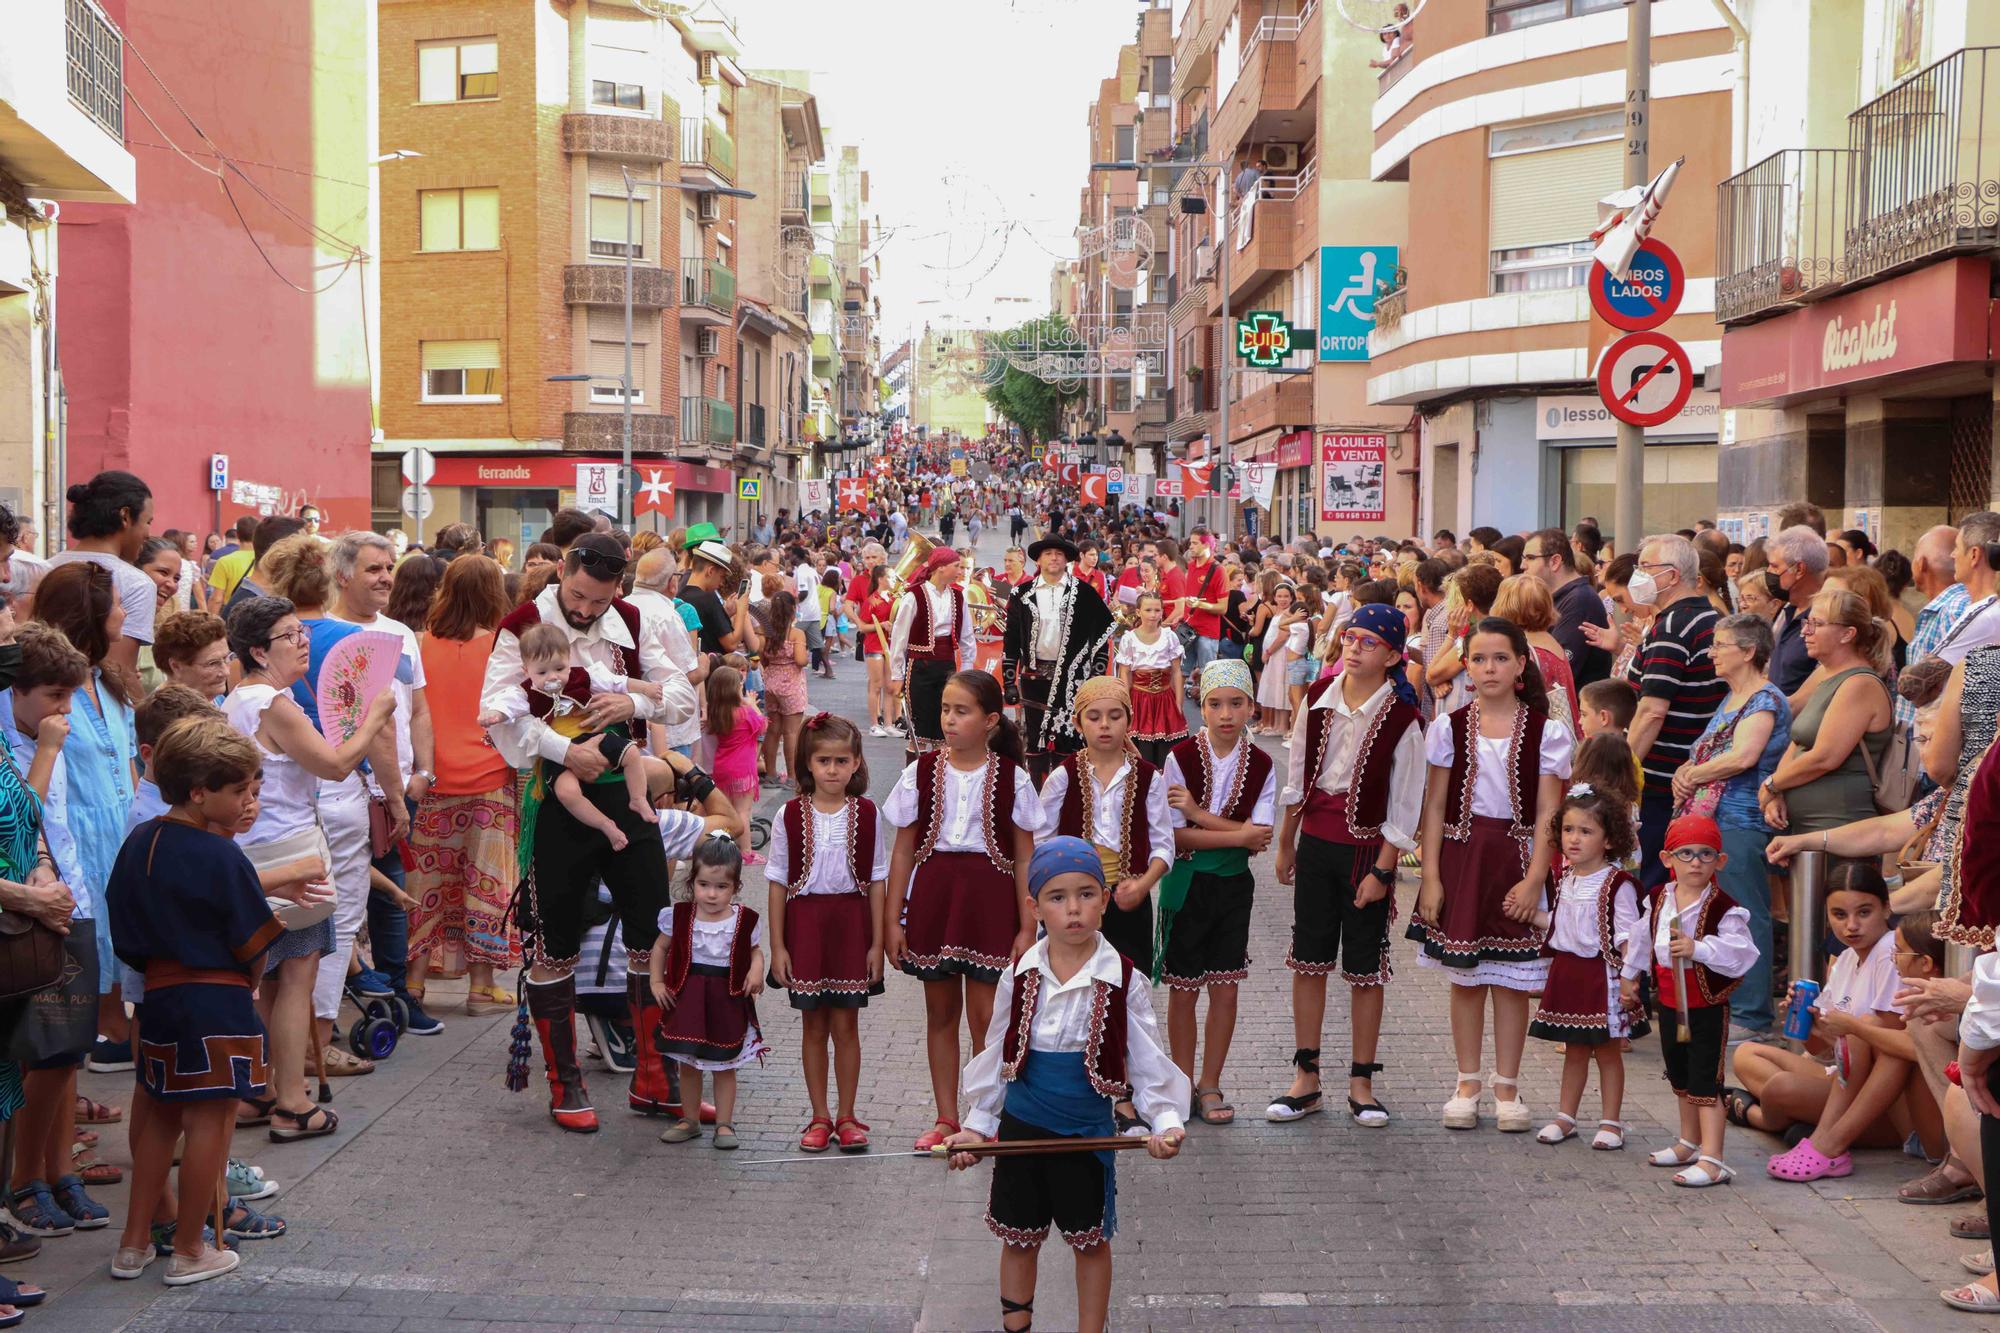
(552, 1007)
(652, 1091)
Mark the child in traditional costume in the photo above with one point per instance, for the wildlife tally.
(1117, 803)
(1497, 766)
(1149, 662)
(706, 973)
(826, 866)
(1072, 1033)
(1223, 793)
(957, 912)
(1354, 791)
(1595, 909)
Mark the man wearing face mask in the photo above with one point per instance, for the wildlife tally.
(1794, 572)
(1676, 681)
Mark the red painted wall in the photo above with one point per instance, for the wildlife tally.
(178, 341)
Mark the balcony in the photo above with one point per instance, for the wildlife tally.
(1283, 400)
(1392, 305)
(753, 425)
(795, 199)
(62, 100)
(1925, 174)
(604, 284)
(604, 432)
(1782, 231)
(1279, 69)
(706, 149)
(640, 138)
(707, 421)
(1266, 232)
(708, 292)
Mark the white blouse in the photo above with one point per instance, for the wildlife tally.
(830, 856)
(1158, 655)
(1108, 817)
(1862, 988)
(961, 827)
(1223, 767)
(904, 626)
(1297, 638)
(710, 945)
(1492, 787)
(1575, 927)
(1729, 951)
(1160, 1091)
(1407, 773)
(286, 803)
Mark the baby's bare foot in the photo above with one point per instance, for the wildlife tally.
(646, 812)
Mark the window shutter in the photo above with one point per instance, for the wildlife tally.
(1550, 197)
(480, 225)
(607, 219)
(437, 73)
(439, 219)
(608, 358)
(465, 354)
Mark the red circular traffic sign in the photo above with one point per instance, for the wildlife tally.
(1644, 379)
(1647, 297)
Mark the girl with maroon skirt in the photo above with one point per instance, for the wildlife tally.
(1595, 909)
(826, 866)
(1149, 662)
(706, 972)
(1497, 766)
(957, 911)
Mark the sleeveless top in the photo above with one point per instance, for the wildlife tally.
(286, 803)
(1845, 794)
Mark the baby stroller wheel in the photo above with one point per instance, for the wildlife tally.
(373, 1038)
(399, 1013)
(760, 833)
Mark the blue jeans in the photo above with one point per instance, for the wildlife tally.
(1656, 811)
(1747, 879)
(1198, 655)
(388, 924)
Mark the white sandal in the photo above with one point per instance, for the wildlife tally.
(1463, 1112)
(1672, 1156)
(1982, 1300)
(1512, 1114)
(1979, 1263)
(1610, 1136)
(1700, 1176)
(1560, 1130)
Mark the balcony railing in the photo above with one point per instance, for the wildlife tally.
(1782, 231)
(753, 424)
(797, 196)
(1926, 165)
(707, 421)
(95, 55)
(704, 144)
(1278, 28)
(707, 283)
(1391, 306)
(1271, 189)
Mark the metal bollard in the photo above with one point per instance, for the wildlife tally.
(1958, 959)
(1808, 916)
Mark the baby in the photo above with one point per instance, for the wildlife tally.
(555, 690)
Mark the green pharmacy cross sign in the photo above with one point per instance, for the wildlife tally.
(1264, 339)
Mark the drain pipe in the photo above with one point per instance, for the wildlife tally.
(1739, 106)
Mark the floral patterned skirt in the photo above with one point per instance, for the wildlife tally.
(462, 871)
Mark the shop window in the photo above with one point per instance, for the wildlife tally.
(461, 371)
(458, 219)
(1507, 15)
(1679, 485)
(464, 70)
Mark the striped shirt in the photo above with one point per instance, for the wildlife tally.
(1934, 622)
(1673, 663)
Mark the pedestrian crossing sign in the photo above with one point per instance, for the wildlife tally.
(749, 488)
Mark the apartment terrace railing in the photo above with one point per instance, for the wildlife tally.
(1392, 305)
(94, 53)
(1926, 165)
(703, 143)
(708, 283)
(1278, 28)
(707, 421)
(1271, 189)
(797, 196)
(1782, 231)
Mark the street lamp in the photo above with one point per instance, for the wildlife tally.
(393, 155)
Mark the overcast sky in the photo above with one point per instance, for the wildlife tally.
(970, 117)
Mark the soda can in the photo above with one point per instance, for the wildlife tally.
(1799, 1014)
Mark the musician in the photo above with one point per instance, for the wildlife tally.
(1058, 636)
(931, 638)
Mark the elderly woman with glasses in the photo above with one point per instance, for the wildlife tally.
(1824, 779)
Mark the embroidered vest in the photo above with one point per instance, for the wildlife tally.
(1135, 829)
(925, 643)
(1103, 1050)
(1193, 756)
(799, 826)
(996, 799)
(1524, 753)
(1607, 900)
(1710, 986)
(577, 687)
(1367, 801)
(680, 948)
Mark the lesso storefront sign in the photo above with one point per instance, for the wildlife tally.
(1574, 417)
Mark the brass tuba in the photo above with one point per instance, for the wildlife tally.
(910, 567)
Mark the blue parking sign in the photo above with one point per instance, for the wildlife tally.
(1351, 277)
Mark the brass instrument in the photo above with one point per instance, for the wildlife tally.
(909, 568)
(986, 610)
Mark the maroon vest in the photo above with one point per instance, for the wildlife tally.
(1103, 1050)
(680, 949)
(577, 687)
(1607, 900)
(1524, 752)
(1136, 829)
(996, 797)
(1366, 803)
(860, 816)
(1192, 756)
(942, 648)
(1710, 986)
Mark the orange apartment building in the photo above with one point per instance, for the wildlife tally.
(504, 236)
(1505, 120)
(1114, 274)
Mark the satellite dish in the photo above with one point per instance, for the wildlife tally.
(1380, 15)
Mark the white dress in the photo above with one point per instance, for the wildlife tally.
(1273, 689)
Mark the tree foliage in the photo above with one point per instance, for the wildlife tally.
(1034, 405)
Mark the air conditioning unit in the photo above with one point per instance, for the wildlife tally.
(1281, 159)
(708, 70)
(708, 342)
(708, 206)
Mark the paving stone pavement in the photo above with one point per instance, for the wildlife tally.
(446, 1204)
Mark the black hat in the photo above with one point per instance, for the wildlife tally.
(1053, 543)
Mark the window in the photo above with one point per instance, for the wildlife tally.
(1160, 78)
(607, 227)
(630, 96)
(462, 371)
(1545, 179)
(1541, 268)
(1507, 15)
(459, 219)
(1121, 395)
(1122, 147)
(458, 71)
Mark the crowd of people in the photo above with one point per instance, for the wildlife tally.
(1552, 737)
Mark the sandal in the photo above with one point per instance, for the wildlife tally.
(1937, 1186)
(1370, 1114)
(1008, 1309)
(931, 1138)
(1672, 1156)
(1559, 1130)
(1610, 1136)
(1805, 1163)
(1288, 1107)
(1510, 1115)
(20, 1295)
(314, 1123)
(246, 1223)
(819, 1132)
(1970, 1226)
(1979, 1263)
(1462, 1112)
(1706, 1171)
(1974, 1296)
(342, 1063)
(1736, 1104)
(489, 1000)
(94, 1173)
(1222, 1113)
(260, 1109)
(853, 1135)
(89, 1112)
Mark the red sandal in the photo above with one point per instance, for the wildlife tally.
(852, 1133)
(818, 1131)
(933, 1136)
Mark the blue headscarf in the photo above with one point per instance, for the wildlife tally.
(1063, 856)
(1387, 624)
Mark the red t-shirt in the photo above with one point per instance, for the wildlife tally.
(1204, 583)
(1173, 585)
(878, 608)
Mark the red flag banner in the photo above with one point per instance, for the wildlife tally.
(853, 493)
(1194, 478)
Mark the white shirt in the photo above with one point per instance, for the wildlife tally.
(522, 740)
(1729, 951)
(710, 945)
(660, 618)
(1297, 637)
(1574, 929)
(1977, 628)
(84, 895)
(830, 872)
(1223, 767)
(1047, 598)
(1862, 988)
(286, 802)
(906, 619)
(1107, 825)
(1493, 786)
(1160, 1091)
(137, 592)
(602, 681)
(409, 679)
(1345, 728)
(1159, 655)
(1979, 1025)
(961, 824)
(806, 586)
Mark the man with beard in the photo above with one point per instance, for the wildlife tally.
(1058, 635)
(567, 858)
